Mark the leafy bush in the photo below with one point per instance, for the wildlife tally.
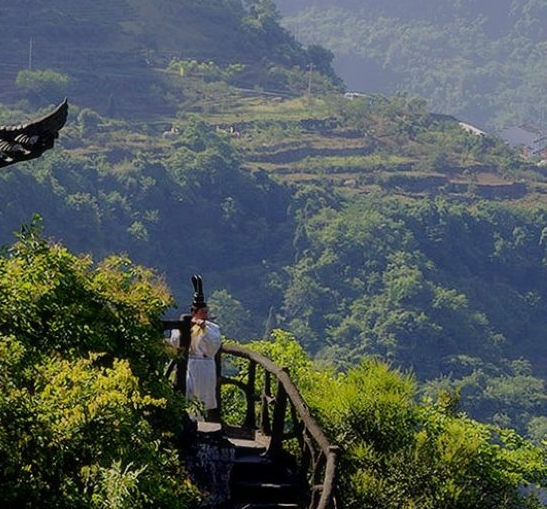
(86, 418)
(44, 85)
(397, 453)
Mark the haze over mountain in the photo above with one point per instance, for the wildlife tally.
(483, 62)
(119, 50)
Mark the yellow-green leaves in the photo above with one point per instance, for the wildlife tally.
(86, 418)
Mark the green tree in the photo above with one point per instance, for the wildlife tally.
(44, 85)
(231, 315)
(399, 452)
(84, 408)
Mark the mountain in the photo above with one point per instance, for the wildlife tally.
(482, 62)
(363, 223)
(117, 52)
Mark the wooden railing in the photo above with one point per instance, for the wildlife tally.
(279, 413)
(284, 418)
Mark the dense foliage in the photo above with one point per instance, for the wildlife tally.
(119, 51)
(378, 268)
(399, 451)
(447, 290)
(480, 61)
(86, 419)
(191, 210)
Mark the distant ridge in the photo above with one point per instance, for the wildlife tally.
(115, 48)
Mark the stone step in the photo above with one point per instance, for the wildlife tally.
(256, 481)
(247, 448)
(254, 467)
(259, 468)
(208, 427)
(260, 492)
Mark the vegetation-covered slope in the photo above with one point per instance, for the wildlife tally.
(481, 61)
(112, 55)
(87, 419)
(366, 225)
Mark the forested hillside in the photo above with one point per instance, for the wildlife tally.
(87, 419)
(114, 56)
(365, 225)
(480, 61)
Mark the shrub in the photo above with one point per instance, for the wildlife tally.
(86, 417)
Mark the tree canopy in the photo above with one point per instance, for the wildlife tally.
(86, 418)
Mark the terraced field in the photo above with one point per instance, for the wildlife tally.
(303, 141)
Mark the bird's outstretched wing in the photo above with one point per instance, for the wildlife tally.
(31, 140)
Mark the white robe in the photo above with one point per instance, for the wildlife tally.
(201, 371)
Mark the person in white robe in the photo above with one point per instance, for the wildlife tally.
(201, 372)
(205, 340)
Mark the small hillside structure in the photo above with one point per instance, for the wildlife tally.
(532, 139)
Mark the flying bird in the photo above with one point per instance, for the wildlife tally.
(31, 140)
